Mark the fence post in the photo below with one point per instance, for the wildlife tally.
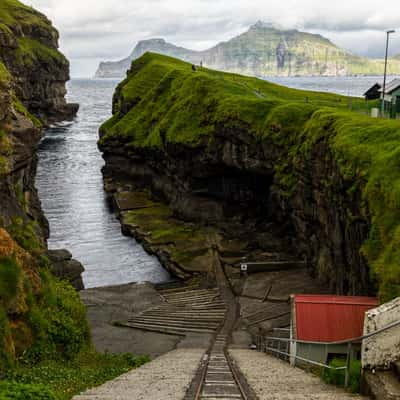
(347, 371)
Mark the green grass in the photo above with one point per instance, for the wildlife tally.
(47, 320)
(19, 391)
(5, 76)
(163, 100)
(337, 377)
(162, 103)
(61, 380)
(13, 12)
(45, 349)
(20, 108)
(25, 234)
(31, 51)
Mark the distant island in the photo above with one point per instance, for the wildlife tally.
(263, 50)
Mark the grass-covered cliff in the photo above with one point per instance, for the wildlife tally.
(29, 50)
(45, 347)
(331, 171)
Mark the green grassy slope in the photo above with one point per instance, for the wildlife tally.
(170, 100)
(163, 101)
(13, 12)
(4, 74)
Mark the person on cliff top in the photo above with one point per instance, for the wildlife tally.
(194, 68)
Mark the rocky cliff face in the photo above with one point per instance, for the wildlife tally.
(262, 51)
(259, 162)
(32, 93)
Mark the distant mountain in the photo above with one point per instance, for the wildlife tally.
(118, 69)
(263, 50)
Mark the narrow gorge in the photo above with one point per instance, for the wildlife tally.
(270, 173)
(197, 180)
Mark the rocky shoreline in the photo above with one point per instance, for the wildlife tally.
(185, 248)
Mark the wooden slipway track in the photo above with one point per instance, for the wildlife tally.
(192, 310)
(218, 377)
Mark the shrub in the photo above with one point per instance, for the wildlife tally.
(59, 323)
(25, 234)
(337, 377)
(67, 378)
(5, 356)
(18, 391)
(10, 275)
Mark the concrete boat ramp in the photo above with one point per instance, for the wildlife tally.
(204, 363)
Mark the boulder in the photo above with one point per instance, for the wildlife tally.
(65, 267)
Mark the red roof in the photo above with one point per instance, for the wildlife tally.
(324, 318)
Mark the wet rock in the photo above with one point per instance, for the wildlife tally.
(64, 267)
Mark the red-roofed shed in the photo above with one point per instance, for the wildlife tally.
(327, 319)
(330, 318)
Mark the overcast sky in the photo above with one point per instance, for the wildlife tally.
(98, 30)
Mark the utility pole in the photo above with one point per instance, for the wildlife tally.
(384, 75)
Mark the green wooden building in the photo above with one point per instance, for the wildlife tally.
(392, 95)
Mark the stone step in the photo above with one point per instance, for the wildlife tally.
(218, 309)
(195, 295)
(211, 317)
(188, 310)
(194, 299)
(187, 289)
(213, 325)
(192, 319)
(202, 299)
(196, 304)
(215, 304)
(168, 330)
(210, 304)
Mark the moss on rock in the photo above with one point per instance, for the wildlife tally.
(185, 246)
(163, 103)
(41, 317)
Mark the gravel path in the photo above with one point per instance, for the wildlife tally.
(165, 378)
(273, 379)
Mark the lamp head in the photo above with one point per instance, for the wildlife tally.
(390, 31)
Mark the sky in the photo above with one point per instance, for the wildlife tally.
(101, 30)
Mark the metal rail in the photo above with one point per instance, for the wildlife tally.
(353, 340)
(199, 390)
(235, 376)
(349, 343)
(203, 375)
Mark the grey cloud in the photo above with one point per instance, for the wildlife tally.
(93, 30)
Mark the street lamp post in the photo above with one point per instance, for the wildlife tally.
(384, 75)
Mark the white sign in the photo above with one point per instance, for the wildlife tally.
(243, 267)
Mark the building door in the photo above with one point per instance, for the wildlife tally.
(398, 104)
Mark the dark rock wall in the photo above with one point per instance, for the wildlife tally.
(38, 73)
(18, 195)
(231, 183)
